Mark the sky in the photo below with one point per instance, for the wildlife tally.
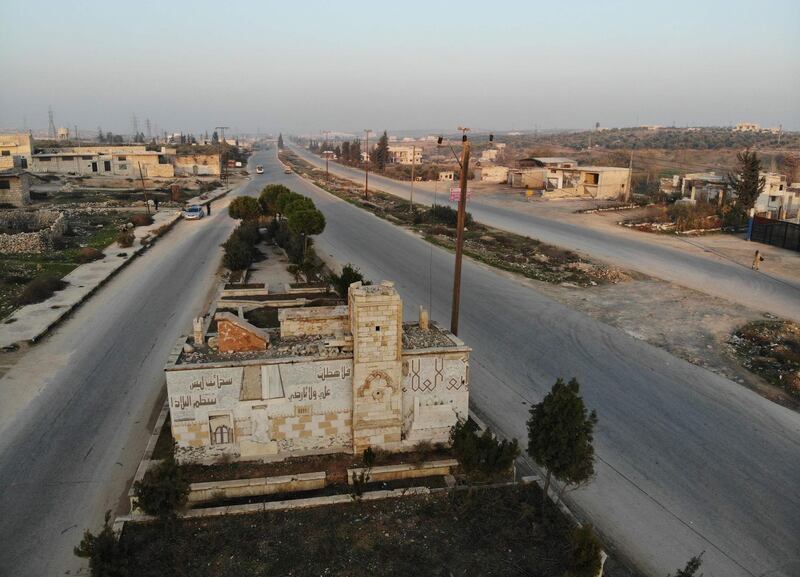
(303, 67)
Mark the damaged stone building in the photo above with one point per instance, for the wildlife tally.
(329, 379)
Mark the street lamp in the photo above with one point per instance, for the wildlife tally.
(367, 132)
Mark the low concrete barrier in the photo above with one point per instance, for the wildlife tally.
(256, 289)
(405, 471)
(213, 490)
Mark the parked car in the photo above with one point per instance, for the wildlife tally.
(259, 169)
(193, 212)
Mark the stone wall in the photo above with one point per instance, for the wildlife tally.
(196, 164)
(38, 229)
(313, 321)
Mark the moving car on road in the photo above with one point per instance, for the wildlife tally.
(259, 169)
(287, 170)
(193, 212)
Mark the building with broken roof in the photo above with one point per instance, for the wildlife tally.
(328, 379)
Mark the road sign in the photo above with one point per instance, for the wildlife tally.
(455, 193)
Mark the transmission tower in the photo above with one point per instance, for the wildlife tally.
(149, 132)
(51, 129)
(135, 123)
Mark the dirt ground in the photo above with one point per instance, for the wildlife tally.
(690, 325)
(485, 532)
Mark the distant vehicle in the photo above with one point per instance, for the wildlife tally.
(193, 212)
(287, 171)
(259, 169)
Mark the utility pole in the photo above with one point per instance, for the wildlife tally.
(220, 140)
(630, 178)
(413, 164)
(462, 208)
(144, 189)
(366, 171)
(326, 153)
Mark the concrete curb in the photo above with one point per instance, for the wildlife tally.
(281, 505)
(147, 461)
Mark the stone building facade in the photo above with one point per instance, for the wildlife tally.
(15, 188)
(339, 379)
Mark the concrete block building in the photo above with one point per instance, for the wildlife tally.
(330, 379)
(14, 188)
(16, 149)
(491, 173)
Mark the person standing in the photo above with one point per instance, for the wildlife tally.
(208, 208)
(757, 260)
(155, 202)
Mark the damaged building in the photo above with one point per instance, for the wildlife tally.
(328, 379)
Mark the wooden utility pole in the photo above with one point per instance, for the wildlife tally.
(630, 178)
(413, 164)
(366, 169)
(462, 209)
(144, 189)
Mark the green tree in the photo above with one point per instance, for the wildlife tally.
(341, 282)
(585, 553)
(163, 489)
(283, 199)
(296, 204)
(104, 552)
(238, 253)
(691, 568)
(747, 183)
(305, 222)
(381, 154)
(268, 199)
(280, 141)
(483, 457)
(561, 435)
(244, 208)
(214, 138)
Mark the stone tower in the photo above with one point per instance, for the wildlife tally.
(376, 322)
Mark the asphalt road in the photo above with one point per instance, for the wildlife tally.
(74, 411)
(687, 461)
(648, 254)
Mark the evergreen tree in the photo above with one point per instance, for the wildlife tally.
(280, 141)
(215, 138)
(104, 551)
(560, 436)
(747, 183)
(345, 156)
(381, 155)
(100, 136)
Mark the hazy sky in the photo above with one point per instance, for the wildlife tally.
(346, 65)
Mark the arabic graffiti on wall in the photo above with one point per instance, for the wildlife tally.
(210, 389)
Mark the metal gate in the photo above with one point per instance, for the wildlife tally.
(776, 232)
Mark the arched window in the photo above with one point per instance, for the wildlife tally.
(222, 435)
